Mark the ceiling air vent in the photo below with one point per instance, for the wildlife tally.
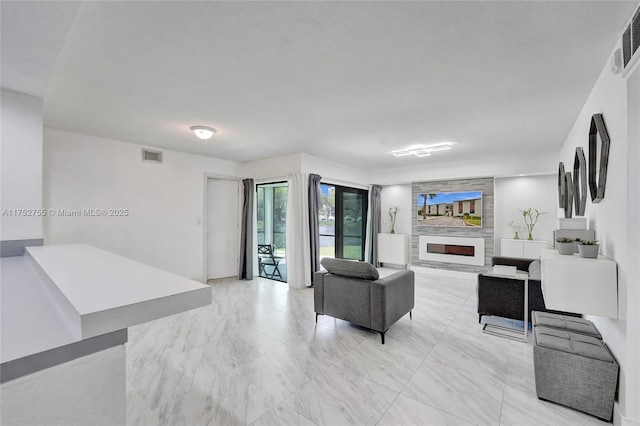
(151, 156)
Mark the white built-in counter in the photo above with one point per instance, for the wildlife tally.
(61, 294)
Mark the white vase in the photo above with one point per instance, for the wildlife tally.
(588, 252)
(566, 248)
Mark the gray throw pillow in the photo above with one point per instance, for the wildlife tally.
(535, 270)
(350, 268)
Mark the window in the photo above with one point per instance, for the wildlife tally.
(342, 219)
(472, 206)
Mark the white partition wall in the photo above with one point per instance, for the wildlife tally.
(21, 156)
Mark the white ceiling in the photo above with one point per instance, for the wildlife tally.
(346, 81)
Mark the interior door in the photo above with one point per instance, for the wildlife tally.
(222, 228)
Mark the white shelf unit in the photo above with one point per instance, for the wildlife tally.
(528, 249)
(393, 248)
(574, 284)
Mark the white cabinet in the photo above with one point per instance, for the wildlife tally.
(585, 286)
(528, 249)
(393, 248)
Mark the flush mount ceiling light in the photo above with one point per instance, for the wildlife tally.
(421, 150)
(203, 132)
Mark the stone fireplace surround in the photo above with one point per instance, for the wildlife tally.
(486, 232)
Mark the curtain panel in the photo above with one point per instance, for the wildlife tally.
(246, 232)
(374, 223)
(314, 231)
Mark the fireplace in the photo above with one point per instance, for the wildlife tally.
(462, 250)
(452, 249)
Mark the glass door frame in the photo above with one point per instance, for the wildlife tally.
(270, 232)
(339, 219)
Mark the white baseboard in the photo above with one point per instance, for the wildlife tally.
(620, 420)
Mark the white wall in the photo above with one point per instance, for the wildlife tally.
(400, 196)
(334, 172)
(434, 170)
(277, 168)
(633, 244)
(520, 193)
(165, 201)
(21, 164)
(610, 219)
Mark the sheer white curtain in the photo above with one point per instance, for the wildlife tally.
(298, 239)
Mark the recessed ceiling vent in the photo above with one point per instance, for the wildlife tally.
(151, 156)
(630, 42)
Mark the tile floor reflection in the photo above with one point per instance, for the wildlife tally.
(256, 356)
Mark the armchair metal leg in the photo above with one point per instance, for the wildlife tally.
(317, 316)
(411, 315)
(382, 336)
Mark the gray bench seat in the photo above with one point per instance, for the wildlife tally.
(575, 370)
(566, 323)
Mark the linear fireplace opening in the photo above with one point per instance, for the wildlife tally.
(462, 250)
(451, 249)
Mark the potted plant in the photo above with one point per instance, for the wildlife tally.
(393, 211)
(516, 230)
(530, 217)
(566, 245)
(589, 249)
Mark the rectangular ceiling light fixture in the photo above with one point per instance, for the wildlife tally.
(421, 150)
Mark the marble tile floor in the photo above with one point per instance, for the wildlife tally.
(255, 356)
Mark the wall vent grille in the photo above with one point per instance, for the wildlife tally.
(626, 46)
(635, 31)
(631, 42)
(151, 156)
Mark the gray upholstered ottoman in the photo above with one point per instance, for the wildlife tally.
(566, 323)
(575, 370)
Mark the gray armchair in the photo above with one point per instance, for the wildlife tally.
(354, 292)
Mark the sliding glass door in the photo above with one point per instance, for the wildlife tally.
(342, 219)
(271, 201)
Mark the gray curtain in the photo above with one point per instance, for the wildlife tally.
(246, 232)
(314, 232)
(374, 228)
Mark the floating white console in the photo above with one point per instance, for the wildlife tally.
(466, 251)
(393, 248)
(573, 284)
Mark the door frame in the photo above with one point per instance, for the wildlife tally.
(280, 183)
(203, 220)
(339, 222)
